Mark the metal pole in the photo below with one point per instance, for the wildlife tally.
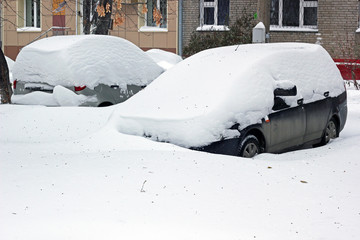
(76, 17)
(180, 30)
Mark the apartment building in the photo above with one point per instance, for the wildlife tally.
(24, 21)
(335, 24)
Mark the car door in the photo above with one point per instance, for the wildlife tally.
(287, 128)
(317, 116)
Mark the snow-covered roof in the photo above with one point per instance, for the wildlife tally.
(198, 100)
(85, 60)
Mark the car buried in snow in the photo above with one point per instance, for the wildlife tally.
(86, 70)
(242, 100)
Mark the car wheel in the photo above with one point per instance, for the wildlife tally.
(105, 104)
(249, 147)
(330, 131)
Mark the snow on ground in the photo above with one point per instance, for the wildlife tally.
(67, 174)
(85, 60)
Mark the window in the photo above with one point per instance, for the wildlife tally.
(160, 5)
(294, 13)
(214, 12)
(32, 13)
(28, 15)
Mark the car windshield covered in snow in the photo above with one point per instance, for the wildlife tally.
(216, 94)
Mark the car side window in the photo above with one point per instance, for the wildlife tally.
(279, 103)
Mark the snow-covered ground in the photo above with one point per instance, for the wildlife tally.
(65, 173)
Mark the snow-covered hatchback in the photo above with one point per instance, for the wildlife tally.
(242, 100)
(90, 70)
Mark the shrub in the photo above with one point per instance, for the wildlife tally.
(240, 32)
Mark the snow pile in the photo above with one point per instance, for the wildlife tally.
(164, 59)
(61, 96)
(196, 102)
(64, 176)
(85, 60)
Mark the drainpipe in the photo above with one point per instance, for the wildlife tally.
(76, 17)
(180, 28)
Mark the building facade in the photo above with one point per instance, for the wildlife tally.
(335, 24)
(24, 21)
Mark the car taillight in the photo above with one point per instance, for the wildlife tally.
(14, 84)
(79, 88)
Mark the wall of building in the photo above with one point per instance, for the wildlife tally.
(192, 14)
(337, 24)
(14, 38)
(131, 29)
(191, 19)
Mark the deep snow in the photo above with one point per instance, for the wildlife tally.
(65, 173)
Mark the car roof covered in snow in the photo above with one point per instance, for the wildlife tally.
(85, 60)
(197, 101)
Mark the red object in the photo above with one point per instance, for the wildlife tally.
(79, 88)
(347, 66)
(14, 84)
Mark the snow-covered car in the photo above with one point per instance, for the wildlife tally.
(242, 100)
(164, 59)
(89, 70)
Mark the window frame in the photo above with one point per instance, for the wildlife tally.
(213, 4)
(302, 5)
(35, 13)
(21, 17)
(158, 6)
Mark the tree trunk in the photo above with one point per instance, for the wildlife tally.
(5, 87)
(102, 24)
(86, 16)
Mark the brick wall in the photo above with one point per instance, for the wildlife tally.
(191, 18)
(337, 23)
(191, 15)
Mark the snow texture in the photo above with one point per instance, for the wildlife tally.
(197, 101)
(212, 28)
(85, 60)
(164, 59)
(63, 175)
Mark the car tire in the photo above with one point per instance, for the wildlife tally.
(105, 104)
(249, 147)
(330, 132)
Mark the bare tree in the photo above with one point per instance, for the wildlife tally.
(5, 86)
